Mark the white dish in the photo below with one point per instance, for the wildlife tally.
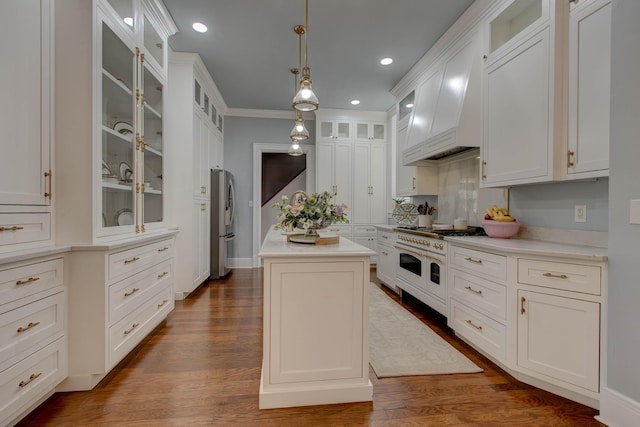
(123, 217)
(123, 127)
(126, 174)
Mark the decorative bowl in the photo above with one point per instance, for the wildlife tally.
(499, 229)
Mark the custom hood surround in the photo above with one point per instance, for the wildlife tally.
(447, 118)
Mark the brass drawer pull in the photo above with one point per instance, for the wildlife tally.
(469, 288)
(163, 249)
(557, 276)
(13, 228)
(29, 326)
(474, 325)
(161, 275)
(128, 331)
(29, 280)
(476, 261)
(164, 301)
(135, 258)
(31, 378)
(131, 292)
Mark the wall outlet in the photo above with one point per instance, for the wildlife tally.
(580, 213)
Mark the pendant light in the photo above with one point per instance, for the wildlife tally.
(299, 131)
(305, 99)
(295, 149)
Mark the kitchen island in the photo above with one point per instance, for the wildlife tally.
(315, 348)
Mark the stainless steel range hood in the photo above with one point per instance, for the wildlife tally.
(447, 119)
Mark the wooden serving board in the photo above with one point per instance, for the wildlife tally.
(322, 240)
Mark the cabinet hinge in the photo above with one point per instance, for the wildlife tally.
(137, 187)
(142, 228)
(49, 194)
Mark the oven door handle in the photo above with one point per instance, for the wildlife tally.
(400, 248)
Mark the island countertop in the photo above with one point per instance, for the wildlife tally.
(275, 245)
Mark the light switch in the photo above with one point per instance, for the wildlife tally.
(634, 212)
(580, 213)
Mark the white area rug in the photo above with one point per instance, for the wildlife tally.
(400, 344)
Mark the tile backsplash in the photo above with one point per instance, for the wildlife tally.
(459, 192)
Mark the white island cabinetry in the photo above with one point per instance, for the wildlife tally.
(315, 347)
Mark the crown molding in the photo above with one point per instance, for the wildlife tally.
(266, 114)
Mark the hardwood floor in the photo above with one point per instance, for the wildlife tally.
(202, 367)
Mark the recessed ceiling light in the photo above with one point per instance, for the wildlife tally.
(199, 27)
(129, 21)
(409, 105)
(355, 101)
(386, 61)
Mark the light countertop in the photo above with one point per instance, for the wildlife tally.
(275, 245)
(532, 247)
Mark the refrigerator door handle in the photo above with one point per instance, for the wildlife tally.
(232, 202)
(229, 238)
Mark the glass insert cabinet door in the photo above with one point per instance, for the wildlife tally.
(152, 147)
(118, 105)
(131, 114)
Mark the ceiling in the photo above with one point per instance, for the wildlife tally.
(251, 46)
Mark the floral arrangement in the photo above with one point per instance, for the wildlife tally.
(309, 212)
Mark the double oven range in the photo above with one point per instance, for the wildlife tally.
(422, 268)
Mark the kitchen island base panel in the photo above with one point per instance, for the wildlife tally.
(316, 307)
(313, 394)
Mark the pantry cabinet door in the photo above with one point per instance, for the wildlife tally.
(25, 102)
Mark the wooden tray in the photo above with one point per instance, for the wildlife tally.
(322, 240)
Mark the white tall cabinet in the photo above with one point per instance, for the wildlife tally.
(195, 120)
(111, 84)
(354, 167)
(26, 114)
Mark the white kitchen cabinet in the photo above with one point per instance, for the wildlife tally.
(338, 130)
(369, 183)
(589, 89)
(413, 180)
(110, 121)
(117, 296)
(477, 292)
(201, 242)
(365, 235)
(33, 332)
(522, 93)
(571, 353)
(334, 172)
(195, 108)
(26, 118)
(368, 131)
(387, 257)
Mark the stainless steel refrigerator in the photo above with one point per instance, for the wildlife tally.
(223, 208)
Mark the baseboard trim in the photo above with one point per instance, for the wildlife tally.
(241, 262)
(617, 410)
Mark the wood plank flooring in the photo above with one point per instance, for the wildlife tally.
(202, 368)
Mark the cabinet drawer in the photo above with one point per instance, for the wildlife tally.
(126, 295)
(490, 265)
(128, 332)
(489, 297)
(23, 281)
(386, 237)
(340, 230)
(487, 334)
(125, 263)
(364, 229)
(27, 328)
(560, 275)
(24, 228)
(25, 382)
